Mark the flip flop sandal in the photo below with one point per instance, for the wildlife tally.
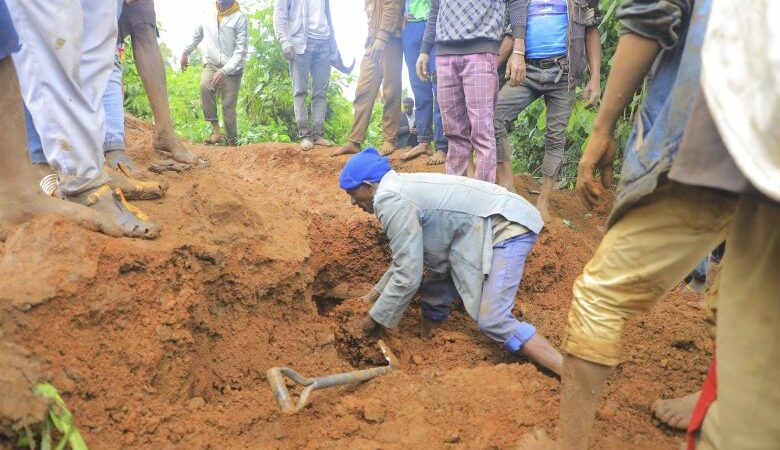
(135, 189)
(116, 162)
(134, 222)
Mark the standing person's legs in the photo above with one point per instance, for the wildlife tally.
(299, 71)
(748, 333)
(367, 89)
(496, 319)
(208, 101)
(642, 257)
(511, 102)
(320, 79)
(480, 85)
(20, 198)
(69, 111)
(423, 90)
(440, 141)
(230, 88)
(391, 92)
(455, 119)
(139, 21)
(559, 101)
(437, 292)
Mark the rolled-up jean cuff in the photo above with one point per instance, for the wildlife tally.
(598, 351)
(113, 145)
(523, 333)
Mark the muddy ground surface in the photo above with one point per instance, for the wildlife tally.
(165, 344)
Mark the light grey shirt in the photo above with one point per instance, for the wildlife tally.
(442, 223)
(317, 26)
(226, 44)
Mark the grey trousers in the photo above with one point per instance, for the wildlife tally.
(208, 99)
(559, 101)
(315, 61)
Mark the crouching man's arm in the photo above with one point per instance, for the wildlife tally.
(401, 223)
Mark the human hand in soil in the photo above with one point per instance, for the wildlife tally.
(371, 296)
(599, 154)
(368, 325)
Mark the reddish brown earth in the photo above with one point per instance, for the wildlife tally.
(165, 344)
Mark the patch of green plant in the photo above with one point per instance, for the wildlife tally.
(58, 418)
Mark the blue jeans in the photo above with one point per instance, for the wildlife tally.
(426, 110)
(495, 320)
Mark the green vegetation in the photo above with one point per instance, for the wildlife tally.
(58, 417)
(266, 105)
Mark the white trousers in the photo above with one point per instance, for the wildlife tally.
(64, 65)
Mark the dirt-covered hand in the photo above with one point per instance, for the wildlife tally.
(378, 51)
(368, 325)
(599, 154)
(515, 69)
(289, 53)
(185, 61)
(422, 67)
(592, 93)
(370, 297)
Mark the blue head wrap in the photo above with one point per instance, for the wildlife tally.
(367, 165)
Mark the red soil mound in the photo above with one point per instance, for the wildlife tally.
(165, 344)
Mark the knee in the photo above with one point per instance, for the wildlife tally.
(205, 86)
(489, 325)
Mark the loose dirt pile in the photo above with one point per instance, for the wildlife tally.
(165, 344)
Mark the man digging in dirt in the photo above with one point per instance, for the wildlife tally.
(472, 236)
(20, 197)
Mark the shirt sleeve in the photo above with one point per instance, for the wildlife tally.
(659, 20)
(197, 36)
(429, 38)
(281, 21)
(402, 226)
(236, 62)
(518, 15)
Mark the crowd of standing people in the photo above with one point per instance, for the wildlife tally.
(702, 165)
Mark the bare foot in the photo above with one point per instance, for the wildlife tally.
(306, 144)
(111, 204)
(676, 412)
(21, 208)
(169, 145)
(323, 142)
(418, 150)
(536, 440)
(387, 148)
(215, 139)
(439, 157)
(539, 350)
(133, 188)
(543, 205)
(350, 148)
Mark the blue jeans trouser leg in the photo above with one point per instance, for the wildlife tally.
(411, 40)
(437, 295)
(34, 145)
(496, 319)
(113, 103)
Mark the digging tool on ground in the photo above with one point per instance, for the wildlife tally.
(276, 380)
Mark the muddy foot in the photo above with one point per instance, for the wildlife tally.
(24, 207)
(215, 139)
(387, 148)
(536, 440)
(428, 327)
(323, 142)
(543, 205)
(171, 147)
(676, 412)
(306, 144)
(439, 157)
(112, 205)
(350, 148)
(419, 150)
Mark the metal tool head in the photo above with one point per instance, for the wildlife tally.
(389, 355)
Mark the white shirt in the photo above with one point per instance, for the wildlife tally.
(316, 21)
(741, 82)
